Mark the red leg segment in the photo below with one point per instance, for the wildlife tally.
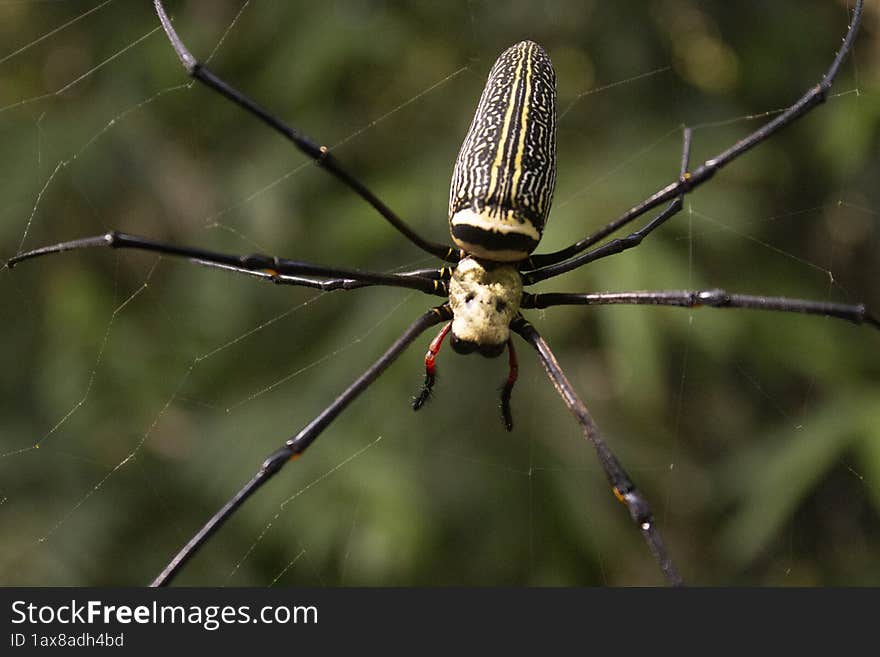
(430, 367)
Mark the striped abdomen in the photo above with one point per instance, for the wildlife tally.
(503, 180)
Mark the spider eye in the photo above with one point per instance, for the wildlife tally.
(469, 298)
(500, 306)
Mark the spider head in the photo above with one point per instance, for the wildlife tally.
(485, 298)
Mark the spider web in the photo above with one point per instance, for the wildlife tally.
(141, 392)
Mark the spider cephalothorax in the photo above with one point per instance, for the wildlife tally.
(485, 298)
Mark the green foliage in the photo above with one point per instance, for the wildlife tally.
(155, 387)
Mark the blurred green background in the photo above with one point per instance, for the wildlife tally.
(155, 387)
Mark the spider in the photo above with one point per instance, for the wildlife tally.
(532, 268)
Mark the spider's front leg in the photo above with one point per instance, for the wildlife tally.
(321, 155)
(546, 265)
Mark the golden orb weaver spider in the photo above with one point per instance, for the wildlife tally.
(447, 393)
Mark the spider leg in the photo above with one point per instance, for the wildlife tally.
(278, 270)
(507, 389)
(856, 313)
(619, 245)
(621, 484)
(430, 368)
(320, 154)
(298, 444)
(686, 183)
(331, 284)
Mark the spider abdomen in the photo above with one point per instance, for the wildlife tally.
(503, 180)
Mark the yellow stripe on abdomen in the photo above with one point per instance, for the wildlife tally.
(503, 180)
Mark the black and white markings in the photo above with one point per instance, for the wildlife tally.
(503, 180)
